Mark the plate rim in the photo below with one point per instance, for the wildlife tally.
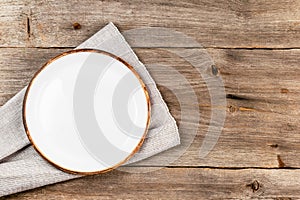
(89, 50)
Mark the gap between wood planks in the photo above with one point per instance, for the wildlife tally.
(210, 47)
(157, 47)
(212, 167)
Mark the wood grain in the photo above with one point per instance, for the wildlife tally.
(230, 24)
(13, 23)
(176, 183)
(255, 47)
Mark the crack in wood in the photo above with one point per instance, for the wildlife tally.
(281, 164)
(274, 145)
(235, 97)
(247, 109)
(28, 27)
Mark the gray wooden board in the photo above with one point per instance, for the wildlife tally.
(255, 47)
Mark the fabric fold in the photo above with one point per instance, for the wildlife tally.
(21, 167)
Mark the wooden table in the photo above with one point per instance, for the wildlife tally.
(255, 46)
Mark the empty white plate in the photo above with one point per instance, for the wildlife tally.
(86, 111)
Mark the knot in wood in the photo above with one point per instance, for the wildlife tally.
(255, 185)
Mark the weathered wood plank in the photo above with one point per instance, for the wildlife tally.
(262, 124)
(178, 183)
(14, 23)
(230, 24)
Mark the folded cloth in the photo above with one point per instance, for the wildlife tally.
(21, 167)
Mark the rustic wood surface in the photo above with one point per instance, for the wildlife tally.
(255, 46)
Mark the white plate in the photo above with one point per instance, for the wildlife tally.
(86, 111)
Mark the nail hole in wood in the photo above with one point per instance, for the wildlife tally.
(284, 91)
(76, 26)
(232, 109)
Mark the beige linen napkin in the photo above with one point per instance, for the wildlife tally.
(21, 168)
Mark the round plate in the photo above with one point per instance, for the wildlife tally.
(86, 111)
